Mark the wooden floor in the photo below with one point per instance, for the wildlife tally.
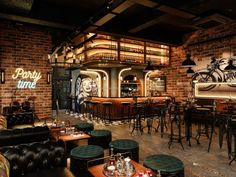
(197, 161)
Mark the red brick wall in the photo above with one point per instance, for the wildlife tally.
(178, 83)
(27, 47)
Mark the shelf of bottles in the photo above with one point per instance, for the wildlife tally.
(105, 47)
(131, 51)
(102, 47)
(157, 54)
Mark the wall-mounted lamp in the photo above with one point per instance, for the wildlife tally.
(188, 62)
(104, 78)
(48, 77)
(2, 72)
(135, 78)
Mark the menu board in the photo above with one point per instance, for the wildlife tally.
(157, 84)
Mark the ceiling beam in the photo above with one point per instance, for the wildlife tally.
(35, 21)
(149, 23)
(146, 3)
(175, 12)
(122, 7)
(104, 19)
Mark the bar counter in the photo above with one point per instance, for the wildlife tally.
(117, 111)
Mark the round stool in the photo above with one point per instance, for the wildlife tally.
(100, 137)
(167, 165)
(80, 156)
(85, 127)
(126, 145)
(107, 111)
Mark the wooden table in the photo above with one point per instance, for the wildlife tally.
(97, 171)
(70, 137)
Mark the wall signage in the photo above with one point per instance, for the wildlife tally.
(26, 79)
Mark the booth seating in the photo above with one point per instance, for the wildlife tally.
(169, 166)
(36, 159)
(126, 145)
(23, 118)
(84, 126)
(10, 137)
(80, 156)
(100, 137)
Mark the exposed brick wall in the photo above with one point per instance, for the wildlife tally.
(178, 83)
(27, 47)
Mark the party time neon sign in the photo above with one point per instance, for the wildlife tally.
(26, 79)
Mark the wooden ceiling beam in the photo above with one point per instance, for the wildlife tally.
(149, 23)
(175, 12)
(122, 7)
(146, 3)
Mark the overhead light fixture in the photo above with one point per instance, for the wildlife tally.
(190, 71)
(230, 66)
(149, 67)
(188, 62)
(2, 73)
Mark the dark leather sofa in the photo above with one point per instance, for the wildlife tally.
(10, 137)
(47, 158)
(20, 119)
(31, 153)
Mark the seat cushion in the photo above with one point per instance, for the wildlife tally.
(164, 163)
(86, 152)
(124, 144)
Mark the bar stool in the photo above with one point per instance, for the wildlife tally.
(107, 111)
(95, 109)
(175, 138)
(87, 109)
(125, 106)
(137, 113)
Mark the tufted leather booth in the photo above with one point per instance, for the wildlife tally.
(20, 119)
(9, 137)
(35, 159)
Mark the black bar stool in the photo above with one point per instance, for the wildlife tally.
(137, 113)
(175, 138)
(87, 109)
(107, 111)
(125, 106)
(95, 109)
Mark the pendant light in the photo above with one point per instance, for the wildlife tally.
(149, 67)
(188, 62)
(230, 66)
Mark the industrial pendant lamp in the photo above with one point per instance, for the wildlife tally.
(188, 62)
(149, 67)
(230, 66)
(190, 71)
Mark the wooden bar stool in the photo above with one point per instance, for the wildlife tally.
(125, 110)
(107, 111)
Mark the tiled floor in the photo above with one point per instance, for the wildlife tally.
(198, 162)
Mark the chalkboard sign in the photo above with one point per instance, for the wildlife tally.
(158, 84)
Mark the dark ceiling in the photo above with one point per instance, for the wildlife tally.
(165, 21)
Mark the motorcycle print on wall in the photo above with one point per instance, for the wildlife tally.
(214, 73)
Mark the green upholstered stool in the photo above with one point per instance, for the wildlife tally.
(168, 165)
(79, 157)
(126, 145)
(100, 137)
(84, 126)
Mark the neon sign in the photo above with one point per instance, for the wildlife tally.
(27, 79)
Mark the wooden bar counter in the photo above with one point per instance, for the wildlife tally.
(117, 108)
